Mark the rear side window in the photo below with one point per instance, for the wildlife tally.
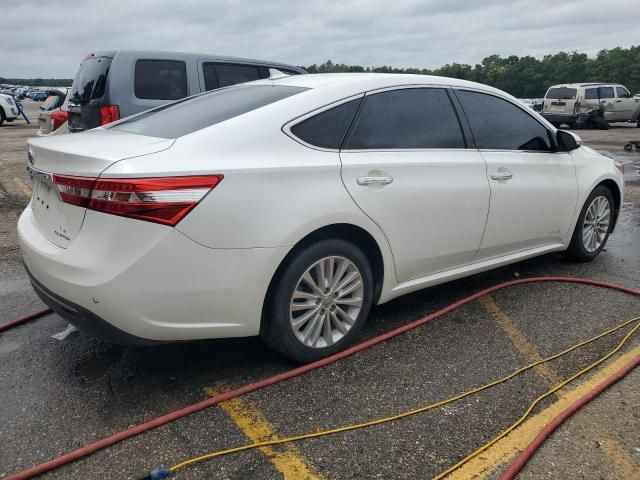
(408, 118)
(218, 75)
(606, 92)
(195, 113)
(90, 79)
(327, 129)
(562, 93)
(160, 79)
(591, 94)
(500, 125)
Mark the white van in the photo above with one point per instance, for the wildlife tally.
(590, 105)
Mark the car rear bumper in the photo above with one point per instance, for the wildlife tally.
(130, 281)
(559, 117)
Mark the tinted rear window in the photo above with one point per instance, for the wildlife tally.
(91, 78)
(562, 93)
(160, 79)
(327, 129)
(192, 114)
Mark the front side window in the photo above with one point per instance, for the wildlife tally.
(606, 92)
(622, 92)
(500, 125)
(591, 94)
(327, 129)
(160, 79)
(406, 119)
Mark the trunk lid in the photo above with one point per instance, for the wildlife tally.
(83, 155)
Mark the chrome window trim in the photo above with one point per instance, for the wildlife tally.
(286, 128)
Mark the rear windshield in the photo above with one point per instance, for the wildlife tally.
(195, 113)
(52, 102)
(91, 79)
(562, 93)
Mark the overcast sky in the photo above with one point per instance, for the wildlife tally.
(48, 39)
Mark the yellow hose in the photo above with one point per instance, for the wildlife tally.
(425, 408)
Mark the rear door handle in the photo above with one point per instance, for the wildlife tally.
(374, 180)
(501, 175)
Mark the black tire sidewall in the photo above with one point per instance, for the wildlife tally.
(277, 331)
(576, 248)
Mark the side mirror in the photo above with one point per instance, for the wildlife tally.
(568, 141)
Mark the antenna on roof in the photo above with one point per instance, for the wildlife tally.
(275, 74)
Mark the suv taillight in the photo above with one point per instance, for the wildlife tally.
(57, 119)
(164, 200)
(109, 113)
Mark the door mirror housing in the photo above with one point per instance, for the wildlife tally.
(568, 141)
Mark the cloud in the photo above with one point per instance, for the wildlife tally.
(43, 41)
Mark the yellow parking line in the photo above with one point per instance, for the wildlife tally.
(506, 449)
(23, 186)
(615, 453)
(624, 463)
(286, 458)
(519, 340)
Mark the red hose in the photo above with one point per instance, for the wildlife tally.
(196, 407)
(537, 442)
(24, 319)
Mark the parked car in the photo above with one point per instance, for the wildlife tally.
(39, 96)
(287, 208)
(113, 85)
(8, 108)
(590, 105)
(53, 112)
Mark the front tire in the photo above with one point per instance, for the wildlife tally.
(593, 226)
(319, 301)
(2, 116)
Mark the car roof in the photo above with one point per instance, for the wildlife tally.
(360, 82)
(190, 56)
(591, 84)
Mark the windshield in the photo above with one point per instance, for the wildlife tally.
(562, 93)
(201, 111)
(91, 79)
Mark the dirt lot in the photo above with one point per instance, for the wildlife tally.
(60, 395)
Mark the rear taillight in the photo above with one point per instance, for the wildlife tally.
(57, 119)
(160, 200)
(109, 113)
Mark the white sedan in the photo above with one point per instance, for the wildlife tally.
(288, 207)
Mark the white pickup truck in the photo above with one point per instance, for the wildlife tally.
(8, 109)
(590, 105)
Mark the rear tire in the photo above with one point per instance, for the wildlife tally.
(593, 227)
(600, 123)
(319, 302)
(2, 117)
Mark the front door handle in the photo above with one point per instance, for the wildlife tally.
(374, 180)
(501, 175)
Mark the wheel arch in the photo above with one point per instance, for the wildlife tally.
(613, 187)
(344, 231)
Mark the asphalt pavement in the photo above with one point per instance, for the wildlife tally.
(56, 396)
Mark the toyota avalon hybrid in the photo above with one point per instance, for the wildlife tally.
(287, 207)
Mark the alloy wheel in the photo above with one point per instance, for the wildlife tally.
(596, 224)
(326, 302)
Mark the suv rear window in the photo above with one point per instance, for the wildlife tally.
(195, 113)
(91, 78)
(562, 93)
(160, 80)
